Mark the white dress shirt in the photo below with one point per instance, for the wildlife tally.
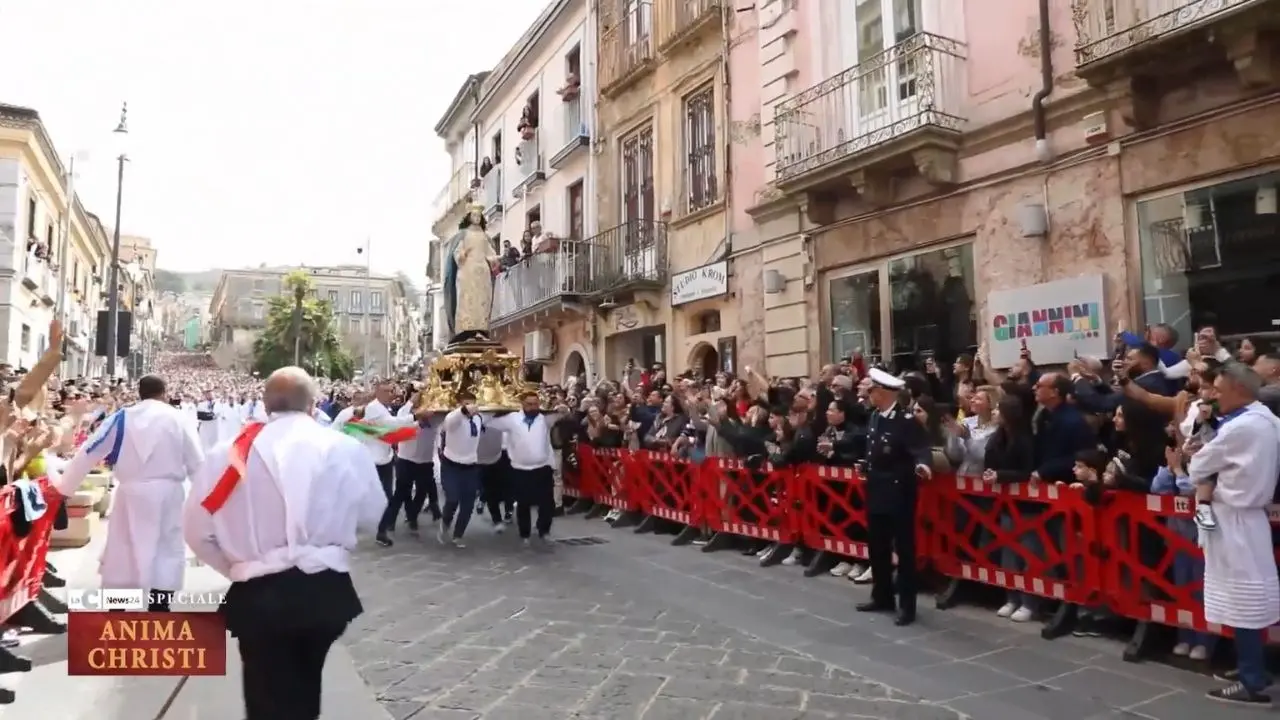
(422, 448)
(528, 442)
(158, 444)
(489, 449)
(459, 444)
(304, 495)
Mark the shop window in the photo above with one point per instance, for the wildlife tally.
(855, 315)
(707, 321)
(1208, 254)
(932, 312)
(931, 307)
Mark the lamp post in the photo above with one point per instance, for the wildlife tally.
(367, 251)
(121, 133)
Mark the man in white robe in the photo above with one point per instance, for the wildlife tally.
(1241, 588)
(207, 412)
(253, 410)
(153, 451)
(277, 512)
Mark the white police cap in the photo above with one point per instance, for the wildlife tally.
(885, 380)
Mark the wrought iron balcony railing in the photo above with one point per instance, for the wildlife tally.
(456, 191)
(1109, 27)
(915, 84)
(680, 19)
(491, 185)
(541, 277)
(627, 47)
(629, 255)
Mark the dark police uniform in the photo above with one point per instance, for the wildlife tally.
(896, 446)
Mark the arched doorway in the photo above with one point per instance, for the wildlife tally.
(705, 359)
(574, 364)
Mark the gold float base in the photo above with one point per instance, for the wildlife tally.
(484, 368)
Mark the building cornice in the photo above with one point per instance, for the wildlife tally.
(469, 90)
(527, 45)
(21, 118)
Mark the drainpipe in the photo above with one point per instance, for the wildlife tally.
(1043, 152)
(725, 48)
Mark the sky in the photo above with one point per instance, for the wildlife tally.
(260, 131)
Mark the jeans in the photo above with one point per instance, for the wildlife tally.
(1012, 560)
(461, 484)
(1250, 659)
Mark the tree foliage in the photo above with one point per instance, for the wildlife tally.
(322, 353)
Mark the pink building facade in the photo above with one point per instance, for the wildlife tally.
(898, 190)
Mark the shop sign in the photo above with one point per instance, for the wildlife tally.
(1055, 321)
(701, 283)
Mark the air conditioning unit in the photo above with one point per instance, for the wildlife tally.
(539, 346)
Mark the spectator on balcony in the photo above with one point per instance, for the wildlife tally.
(485, 166)
(510, 255)
(526, 243)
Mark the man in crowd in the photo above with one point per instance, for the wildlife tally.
(415, 470)
(152, 451)
(1241, 588)
(383, 456)
(277, 512)
(460, 434)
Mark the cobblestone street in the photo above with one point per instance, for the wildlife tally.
(635, 628)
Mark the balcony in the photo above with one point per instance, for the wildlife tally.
(529, 169)
(1118, 38)
(629, 257)
(456, 193)
(491, 188)
(626, 48)
(900, 110)
(542, 282)
(575, 133)
(37, 278)
(682, 21)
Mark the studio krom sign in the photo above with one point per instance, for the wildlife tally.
(700, 283)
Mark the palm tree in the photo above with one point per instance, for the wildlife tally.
(300, 283)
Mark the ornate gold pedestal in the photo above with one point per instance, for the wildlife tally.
(486, 369)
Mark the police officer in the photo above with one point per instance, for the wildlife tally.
(898, 456)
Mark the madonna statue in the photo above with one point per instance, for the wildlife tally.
(468, 280)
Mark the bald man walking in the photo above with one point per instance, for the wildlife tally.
(277, 512)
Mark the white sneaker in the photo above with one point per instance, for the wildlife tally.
(613, 515)
(1199, 652)
(1182, 649)
(457, 542)
(793, 558)
(1022, 614)
(767, 549)
(442, 532)
(841, 569)
(1006, 610)
(499, 527)
(864, 578)
(854, 572)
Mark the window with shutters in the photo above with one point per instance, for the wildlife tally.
(700, 186)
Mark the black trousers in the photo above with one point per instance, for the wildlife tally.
(888, 532)
(534, 489)
(415, 485)
(495, 491)
(285, 624)
(386, 473)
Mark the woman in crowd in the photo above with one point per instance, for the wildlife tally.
(1009, 457)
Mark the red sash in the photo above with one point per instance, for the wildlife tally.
(236, 460)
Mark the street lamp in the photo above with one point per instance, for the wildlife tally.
(120, 135)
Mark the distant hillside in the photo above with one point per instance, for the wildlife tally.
(180, 282)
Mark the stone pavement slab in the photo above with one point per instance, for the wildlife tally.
(635, 628)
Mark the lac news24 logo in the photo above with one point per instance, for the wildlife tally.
(103, 642)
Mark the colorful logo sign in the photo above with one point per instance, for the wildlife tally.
(146, 643)
(1076, 321)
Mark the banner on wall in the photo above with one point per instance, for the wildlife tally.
(1055, 321)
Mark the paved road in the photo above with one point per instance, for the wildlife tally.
(634, 628)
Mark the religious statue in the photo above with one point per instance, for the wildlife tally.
(468, 279)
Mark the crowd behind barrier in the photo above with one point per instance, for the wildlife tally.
(1117, 552)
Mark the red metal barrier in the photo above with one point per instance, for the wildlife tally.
(667, 487)
(22, 559)
(981, 526)
(1118, 554)
(604, 476)
(753, 503)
